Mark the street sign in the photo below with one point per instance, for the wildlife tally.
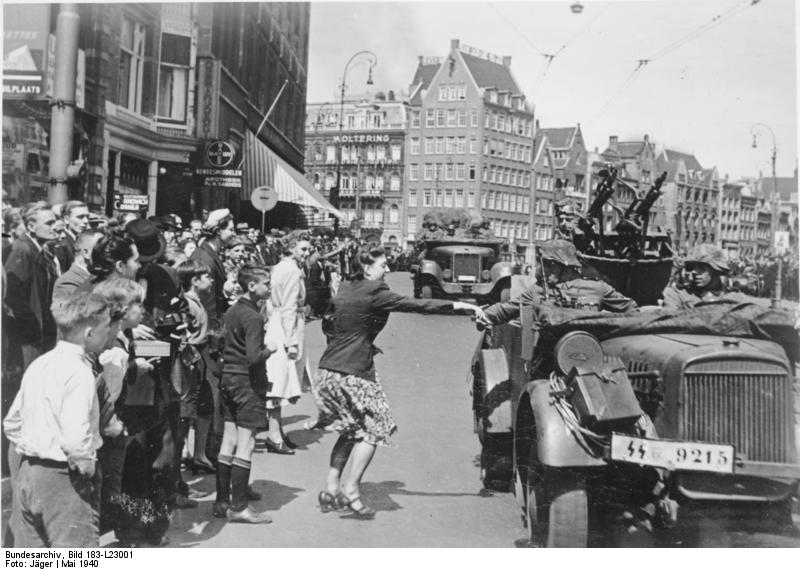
(264, 198)
(781, 243)
(219, 154)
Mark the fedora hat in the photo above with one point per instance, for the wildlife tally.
(148, 239)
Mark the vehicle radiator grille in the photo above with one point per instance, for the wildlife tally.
(747, 404)
(464, 264)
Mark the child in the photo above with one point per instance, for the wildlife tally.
(54, 426)
(195, 279)
(243, 391)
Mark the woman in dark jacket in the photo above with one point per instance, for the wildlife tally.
(347, 389)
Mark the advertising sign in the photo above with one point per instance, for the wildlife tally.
(781, 243)
(25, 33)
(131, 202)
(218, 168)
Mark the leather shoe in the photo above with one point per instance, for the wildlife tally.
(220, 510)
(202, 467)
(252, 494)
(289, 443)
(249, 515)
(279, 448)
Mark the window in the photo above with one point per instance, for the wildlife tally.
(396, 151)
(438, 199)
(439, 145)
(471, 200)
(394, 213)
(472, 172)
(379, 182)
(449, 171)
(345, 184)
(394, 183)
(448, 198)
(459, 198)
(380, 153)
(526, 207)
(375, 120)
(473, 145)
(412, 223)
(441, 117)
(412, 198)
(439, 171)
(501, 122)
(452, 118)
(173, 77)
(369, 182)
(415, 119)
(370, 152)
(450, 146)
(474, 119)
(462, 91)
(426, 199)
(460, 170)
(453, 92)
(330, 153)
(428, 171)
(430, 118)
(414, 146)
(131, 65)
(461, 147)
(462, 117)
(413, 172)
(429, 142)
(442, 93)
(378, 216)
(329, 181)
(493, 96)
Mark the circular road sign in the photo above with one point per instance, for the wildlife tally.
(219, 154)
(264, 198)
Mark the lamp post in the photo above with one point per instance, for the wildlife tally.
(779, 277)
(373, 61)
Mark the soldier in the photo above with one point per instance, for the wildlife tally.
(565, 216)
(704, 267)
(564, 286)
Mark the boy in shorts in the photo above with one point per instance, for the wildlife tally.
(243, 396)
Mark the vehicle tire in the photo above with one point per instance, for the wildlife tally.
(426, 292)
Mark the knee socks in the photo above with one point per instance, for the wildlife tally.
(240, 475)
(224, 478)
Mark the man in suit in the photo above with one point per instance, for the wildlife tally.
(78, 272)
(75, 216)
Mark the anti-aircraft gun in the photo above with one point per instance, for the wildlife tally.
(633, 260)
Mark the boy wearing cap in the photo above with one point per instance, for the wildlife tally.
(243, 391)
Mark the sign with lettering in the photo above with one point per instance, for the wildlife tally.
(25, 33)
(219, 154)
(264, 198)
(131, 202)
(218, 177)
(361, 138)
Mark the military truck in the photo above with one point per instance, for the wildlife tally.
(666, 414)
(462, 267)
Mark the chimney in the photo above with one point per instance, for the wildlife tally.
(507, 60)
(612, 142)
(420, 58)
(646, 139)
(454, 44)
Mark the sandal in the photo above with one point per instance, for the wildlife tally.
(327, 502)
(363, 513)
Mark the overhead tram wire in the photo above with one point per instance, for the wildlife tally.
(669, 48)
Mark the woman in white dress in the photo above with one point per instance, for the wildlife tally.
(286, 330)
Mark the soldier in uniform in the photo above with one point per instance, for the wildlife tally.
(565, 220)
(564, 286)
(705, 267)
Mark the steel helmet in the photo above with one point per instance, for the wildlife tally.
(710, 255)
(561, 251)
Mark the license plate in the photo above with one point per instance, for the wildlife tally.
(673, 455)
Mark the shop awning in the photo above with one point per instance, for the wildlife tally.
(262, 167)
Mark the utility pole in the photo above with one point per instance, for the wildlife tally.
(62, 107)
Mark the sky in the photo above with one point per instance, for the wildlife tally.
(716, 70)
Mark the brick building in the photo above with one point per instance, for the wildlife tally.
(470, 142)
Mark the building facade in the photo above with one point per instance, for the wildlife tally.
(470, 142)
(156, 82)
(368, 152)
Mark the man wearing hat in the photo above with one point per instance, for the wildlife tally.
(704, 268)
(217, 229)
(564, 286)
(242, 228)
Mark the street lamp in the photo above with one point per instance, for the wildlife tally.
(775, 197)
(372, 59)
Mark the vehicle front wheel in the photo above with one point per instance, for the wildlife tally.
(557, 509)
(426, 292)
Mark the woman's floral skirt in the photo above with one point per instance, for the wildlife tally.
(357, 408)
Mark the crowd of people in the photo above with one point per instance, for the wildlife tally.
(125, 339)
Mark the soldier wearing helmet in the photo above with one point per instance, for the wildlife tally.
(704, 267)
(563, 286)
(565, 219)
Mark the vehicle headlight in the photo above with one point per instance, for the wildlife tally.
(578, 349)
(447, 274)
(486, 275)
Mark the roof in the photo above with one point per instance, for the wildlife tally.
(559, 137)
(689, 160)
(490, 74)
(424, 74)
